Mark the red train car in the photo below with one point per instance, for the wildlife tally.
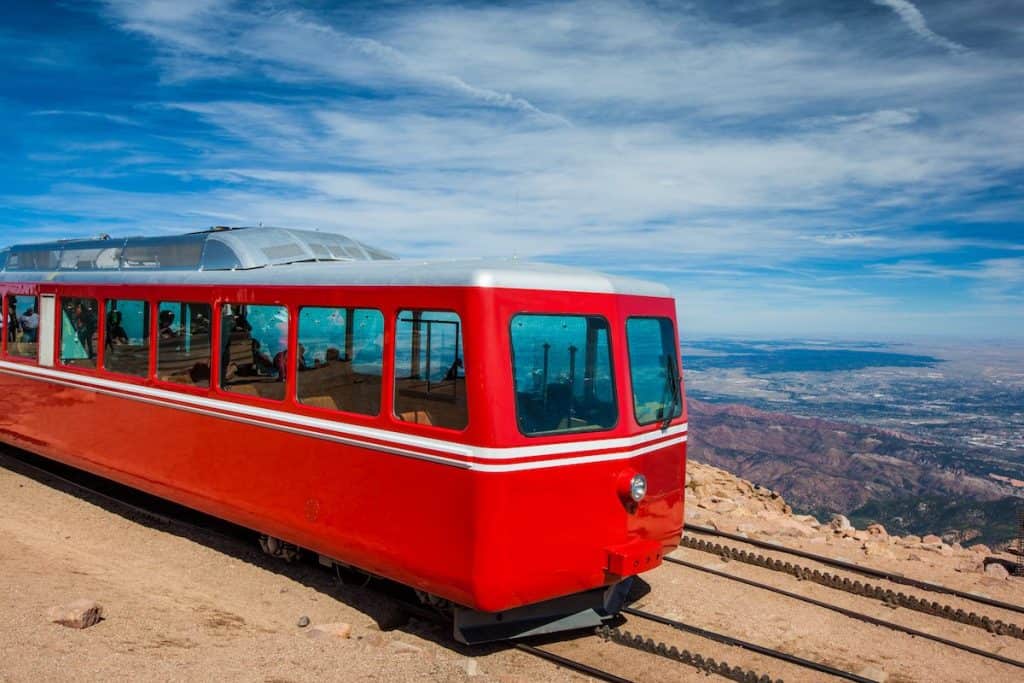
(507, 438)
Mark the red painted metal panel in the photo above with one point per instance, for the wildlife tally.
(491, 540)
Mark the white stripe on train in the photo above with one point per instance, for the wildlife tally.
(397, 443)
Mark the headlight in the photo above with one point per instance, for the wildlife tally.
(638, 487)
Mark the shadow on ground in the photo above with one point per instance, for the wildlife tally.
(387, 603)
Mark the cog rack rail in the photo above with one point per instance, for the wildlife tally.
(729, 640)
(853, 567)
(853, 614)
(867, 590)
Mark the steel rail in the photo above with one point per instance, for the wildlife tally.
(572, 664)
(861, 569)
(853, 614)
(842, 583)
(752, 647)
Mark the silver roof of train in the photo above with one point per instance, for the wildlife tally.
(280, 256)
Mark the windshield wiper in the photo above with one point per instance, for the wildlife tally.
(672, 375)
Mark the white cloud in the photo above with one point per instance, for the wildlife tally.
(627, 136)
(912, 17)
(114, 118)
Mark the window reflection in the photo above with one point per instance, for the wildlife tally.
(79, 332)
(183, 339)
(127, 337)
(254, 350)
(340, 360)
(653, 369)
(430, 381)
(562, 367)
(22, 326)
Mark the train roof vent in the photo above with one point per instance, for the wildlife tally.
(217, 249)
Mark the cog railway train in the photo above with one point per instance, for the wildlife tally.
(506, 438)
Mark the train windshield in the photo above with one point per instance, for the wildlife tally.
(562, 366)
(653, 369)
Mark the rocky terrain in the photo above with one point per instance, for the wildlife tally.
(825, 467)
(726, 502)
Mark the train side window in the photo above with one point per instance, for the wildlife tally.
(127, 337)
(79, 332)
(341, 359)
(254, 350)
(430, 382)
(22, 326)
(183, 343)
(657, 394)
(562, 369)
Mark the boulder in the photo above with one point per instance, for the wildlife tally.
(996, 571)
(840, 523)
(877, 530)
(931, 539)
(81, 613)
(981, 549)
(911, 540)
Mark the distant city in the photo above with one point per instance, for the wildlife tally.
(955, 410)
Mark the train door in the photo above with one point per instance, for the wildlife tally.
(47, 322)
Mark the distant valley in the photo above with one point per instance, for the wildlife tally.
(918, 441)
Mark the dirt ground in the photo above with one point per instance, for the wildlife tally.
(182, 604)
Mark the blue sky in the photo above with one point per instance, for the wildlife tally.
(849, 169)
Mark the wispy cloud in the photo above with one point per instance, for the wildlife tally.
(114, 118)
(912, 17)
(771, 157)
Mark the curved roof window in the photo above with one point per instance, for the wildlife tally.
(217, 249)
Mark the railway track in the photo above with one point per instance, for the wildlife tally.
(571, 664)
(689, 657)
(835, 581)
(858, 568)
(721, 668)
(168, 513)
(887, 596)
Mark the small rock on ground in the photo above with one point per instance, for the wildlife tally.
(337, 630)
(404, 648)
(78, 614)
(875, 674)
